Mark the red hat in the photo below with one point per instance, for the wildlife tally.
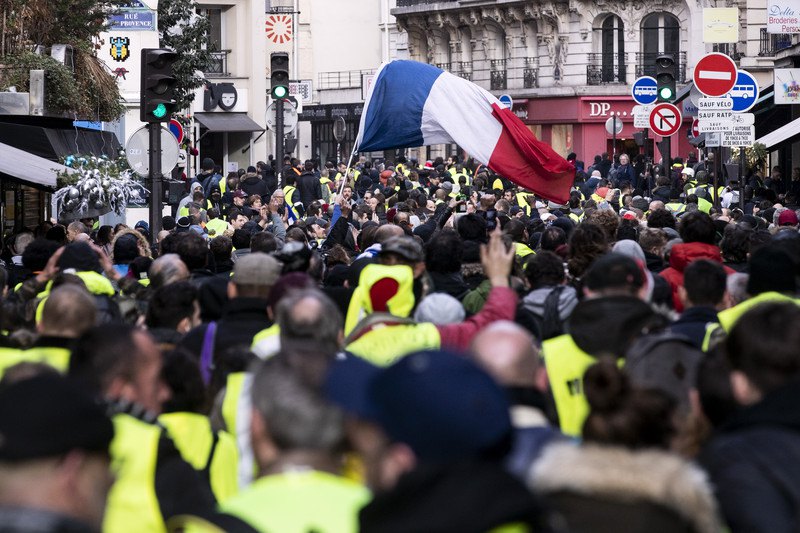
(602, 191)
(787, 218)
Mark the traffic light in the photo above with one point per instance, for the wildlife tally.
(279, 77)
(665, 78)
(157, 96)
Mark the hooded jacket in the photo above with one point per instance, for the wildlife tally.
(754, 463)
(611, 488)
(534, 303)
(680, 257)
(253, 184)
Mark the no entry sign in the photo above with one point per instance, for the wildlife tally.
(715, 74)
(665, 120)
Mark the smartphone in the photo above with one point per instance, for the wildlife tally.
(491, 219)
(282, 210)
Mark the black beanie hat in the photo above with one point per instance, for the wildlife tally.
(771, 269)
(80, 257)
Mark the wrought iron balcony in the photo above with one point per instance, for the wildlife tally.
(771, 43)
(530, 73)
(498, 75)
(407, 3)
(646, 65)
(605, 69)
(219, 64)
(348, 79)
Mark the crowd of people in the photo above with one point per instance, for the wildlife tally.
(409, 346)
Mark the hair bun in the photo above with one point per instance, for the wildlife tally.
(606, 386)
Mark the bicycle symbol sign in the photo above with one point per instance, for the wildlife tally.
(665, 120)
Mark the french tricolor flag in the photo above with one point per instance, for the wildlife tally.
(414, 104)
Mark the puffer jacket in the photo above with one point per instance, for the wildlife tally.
(680, 257)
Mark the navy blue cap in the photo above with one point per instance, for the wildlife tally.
(439, 403)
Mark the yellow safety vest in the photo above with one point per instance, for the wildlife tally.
(522, 202)
(300, 501)
(55, 356)
(132, 504)
(400, 304)
(236, 412)
(729, 317)
(713, 330)
(566, 363)
(522, 250)
(213, 454)
(288, 196)
(96, 284)
(216, 227)
(676, 208)
(267, 342)
(9, 357)
(385, 344)
(457, 178)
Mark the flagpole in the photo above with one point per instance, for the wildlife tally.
(347, 171)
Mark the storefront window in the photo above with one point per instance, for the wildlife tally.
(561, 139)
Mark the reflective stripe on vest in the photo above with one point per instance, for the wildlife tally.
(194, 439)
(675, 207)
(236, 413)
(712, 330)
(566, 363)
(132, 504)
(267, 342)
(305, 500)
(384, 345)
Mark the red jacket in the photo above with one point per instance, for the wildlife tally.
(680, 257)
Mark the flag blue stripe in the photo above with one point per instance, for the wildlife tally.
(394, 111)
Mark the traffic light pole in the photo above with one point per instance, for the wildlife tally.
(155, 180)
(279, 130)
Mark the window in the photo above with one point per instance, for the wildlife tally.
(661, 34)
(214, 16)
(612, 43)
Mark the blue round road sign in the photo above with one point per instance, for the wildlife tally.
(506, 101)
(644, 90)
(745, 92)
(176, 129)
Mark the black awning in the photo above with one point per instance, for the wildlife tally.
(230, 122)
(28, 168)
(56, 143)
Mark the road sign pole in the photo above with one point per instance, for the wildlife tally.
(614, 143)
(741, 178)
(279, 133)
(155, 180)
(667, 143)
(715, 181)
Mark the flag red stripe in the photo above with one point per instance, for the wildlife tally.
(529, 162)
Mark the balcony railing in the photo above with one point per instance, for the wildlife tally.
(498, 75)
(729, 49)
(771, 43)
(646, 65)
(348, 79)
(219, 64)
(407, 3)
(530, 73)
(605, 68)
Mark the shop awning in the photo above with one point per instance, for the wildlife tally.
(782, 135)
(227, 122)
(26, 167)
(55, 143)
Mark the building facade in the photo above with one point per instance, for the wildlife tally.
(569, 64)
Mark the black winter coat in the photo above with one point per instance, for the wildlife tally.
(754, 465)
